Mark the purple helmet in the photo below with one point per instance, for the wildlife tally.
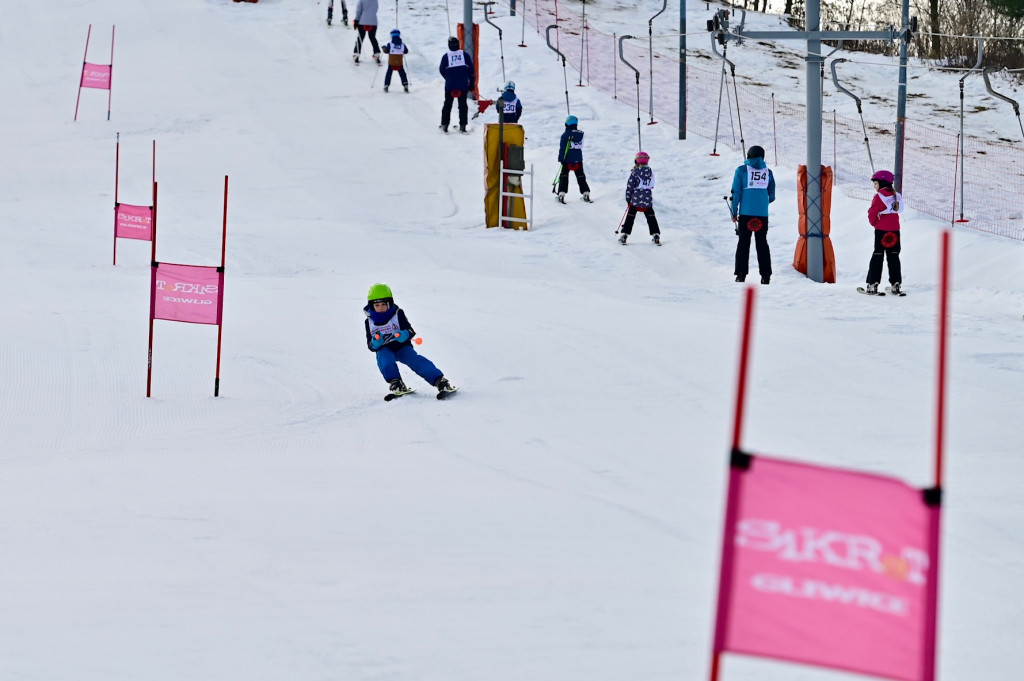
(884, 176)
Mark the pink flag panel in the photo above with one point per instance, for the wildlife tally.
(831, 568)
(96, 76)
(133, 222)
(187, 293)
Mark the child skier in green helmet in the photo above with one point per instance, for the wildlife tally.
(389, 334)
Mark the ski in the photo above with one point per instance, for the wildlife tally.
(395, 396)
(901, 294)
(861, 289)
(445, 394)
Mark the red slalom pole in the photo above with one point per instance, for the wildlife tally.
(84, 58)
(940, 403)
(741, 381)
(725, 569)
(223, 251)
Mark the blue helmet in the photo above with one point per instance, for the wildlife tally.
(572, 120)
(510, 86)
(395, 33)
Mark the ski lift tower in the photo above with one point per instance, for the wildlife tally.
(721, 32)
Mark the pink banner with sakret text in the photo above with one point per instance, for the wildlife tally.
(829, 567)
(187, 293)
(96, 76)
(133, 222)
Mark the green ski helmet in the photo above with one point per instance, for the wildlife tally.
(379, 292)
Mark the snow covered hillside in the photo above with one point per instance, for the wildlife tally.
(560, 517)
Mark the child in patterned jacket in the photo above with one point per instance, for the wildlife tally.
(640, 198)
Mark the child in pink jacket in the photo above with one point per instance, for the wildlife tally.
(884, 217)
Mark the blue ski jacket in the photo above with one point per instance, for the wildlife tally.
(570, 146)
(457, 70)
(751, 193)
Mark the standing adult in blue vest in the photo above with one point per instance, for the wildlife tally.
(459, 76)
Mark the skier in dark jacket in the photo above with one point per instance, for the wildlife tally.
(509, 106)
(389, 334)
(640, 198)
(753, 188)
(459, 78)
(570, 155)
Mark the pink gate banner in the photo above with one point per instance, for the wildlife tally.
(96, 76)
(133, 222)
(829, 567)
(187, 293)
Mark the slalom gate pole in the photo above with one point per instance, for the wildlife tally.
(940, 402)
(741, 392)
(223, 252)
(85, 58)
(110, 89)
(117, 167)
(152, 302)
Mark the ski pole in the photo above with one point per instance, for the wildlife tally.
(622, 219)
(554, 183)
(728, 204)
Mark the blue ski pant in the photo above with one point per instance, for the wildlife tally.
(388, 358)
(401, 74)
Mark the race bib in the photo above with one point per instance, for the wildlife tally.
(510, 107)
(757, 178)
(893, 204)
(645, 184)
(456, 58)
